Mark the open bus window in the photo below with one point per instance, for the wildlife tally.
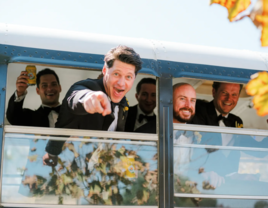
(143, 101)
(239, 107)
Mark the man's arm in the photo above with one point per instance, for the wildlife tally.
(82, 100)
(15, 113)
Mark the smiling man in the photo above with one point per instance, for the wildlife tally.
(184, 99)
(98, 104)
(143, 112)
(48, 88)
(217, 112)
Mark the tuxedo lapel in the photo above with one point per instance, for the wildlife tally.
(40, 118)
(212, 114)
(131, 118)
(122, 116)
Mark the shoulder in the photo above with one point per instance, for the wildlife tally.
(235, 118)
(93, 84)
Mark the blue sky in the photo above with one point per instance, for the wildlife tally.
(185, 21)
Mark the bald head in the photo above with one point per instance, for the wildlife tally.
(184, 99)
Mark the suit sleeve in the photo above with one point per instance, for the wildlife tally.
(75, 95)
(16, 115)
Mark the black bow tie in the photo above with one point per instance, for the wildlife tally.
(113, 105)
(225, 120)
(148, 118)
(48, 109)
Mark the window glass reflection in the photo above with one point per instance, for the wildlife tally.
(228, 203)
(223, 164)
(103, 172)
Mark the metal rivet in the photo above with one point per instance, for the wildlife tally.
(3, 89)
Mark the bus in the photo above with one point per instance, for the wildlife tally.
(212, 167)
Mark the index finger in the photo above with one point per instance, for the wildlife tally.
(106, 105)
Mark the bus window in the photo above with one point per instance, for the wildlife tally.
(141, 98)
(237, 104)
(217, 166)
(101, 168)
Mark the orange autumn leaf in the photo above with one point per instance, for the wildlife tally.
(226, 3)
(239, 6)
(234, 7)
(258, 87)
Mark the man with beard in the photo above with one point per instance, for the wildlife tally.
(184, 99)
(143, 113)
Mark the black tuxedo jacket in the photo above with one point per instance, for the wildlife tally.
(131, 118)
(149, 127)
(73, 115)
(16, 115)
(207, 115)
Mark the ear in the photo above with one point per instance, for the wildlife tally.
(104, 70)
(60, 88)
(136, 95)
(213, 93)
(37, 91)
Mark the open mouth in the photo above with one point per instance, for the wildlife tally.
(50, 94)
(118, 92)
(228, 104)
(186, 112)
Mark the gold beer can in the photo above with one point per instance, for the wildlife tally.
(31, 72)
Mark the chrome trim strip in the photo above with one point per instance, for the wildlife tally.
(217, 129)
(69, 206)
(222, 147)
(214, 196)
(75, 132)
(13, 135)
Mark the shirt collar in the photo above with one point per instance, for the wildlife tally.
(141, 112)
(43, 105)
(218, 113)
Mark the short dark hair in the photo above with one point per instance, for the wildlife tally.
(144, 81)
(124, 54)
(45, 72)
(216, 86)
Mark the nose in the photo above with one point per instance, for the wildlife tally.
(227, 97)
(187, 103)
(121, 81)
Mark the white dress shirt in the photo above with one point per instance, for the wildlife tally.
(144, 121)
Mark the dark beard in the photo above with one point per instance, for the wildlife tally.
(182, 120)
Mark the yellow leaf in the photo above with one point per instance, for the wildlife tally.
(258, 87)
(234, 7)
(239, 6)
(32, 158)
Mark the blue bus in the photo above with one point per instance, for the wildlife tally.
(93, 167)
